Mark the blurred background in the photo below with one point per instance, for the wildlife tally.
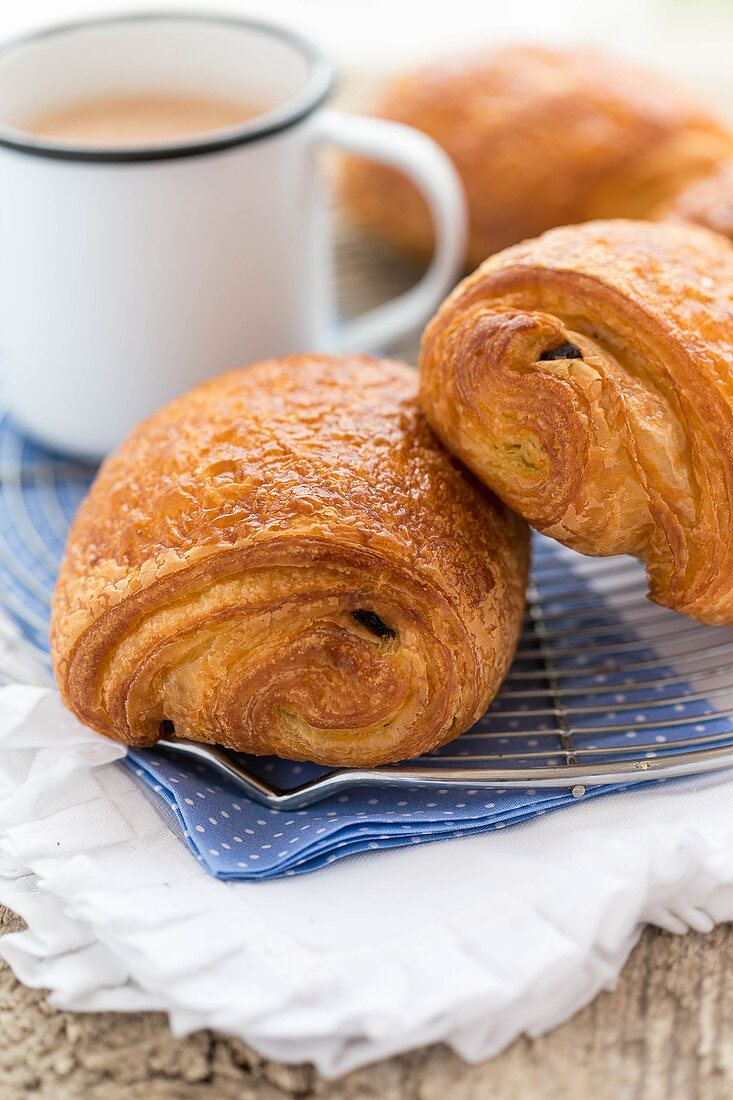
(690, 38)
(369, 40)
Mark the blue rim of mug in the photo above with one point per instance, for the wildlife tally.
(320, 82)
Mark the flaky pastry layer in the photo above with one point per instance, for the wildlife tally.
(286, 561)
(587, 378)
(541, 137)
(707, 201)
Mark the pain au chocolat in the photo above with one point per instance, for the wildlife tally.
(587, 378)
(708, 201)
(540, 137)
(286, 561)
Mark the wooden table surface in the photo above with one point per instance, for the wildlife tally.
(665, 1033)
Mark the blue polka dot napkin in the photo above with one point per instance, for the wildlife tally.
(237, 838)
(626, 678)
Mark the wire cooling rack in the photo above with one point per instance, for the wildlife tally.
(605, 689)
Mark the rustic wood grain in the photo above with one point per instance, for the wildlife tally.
(665, 1033)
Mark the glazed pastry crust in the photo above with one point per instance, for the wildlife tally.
(541, 138)
(211, 575)
(707, 202)
(628, 449)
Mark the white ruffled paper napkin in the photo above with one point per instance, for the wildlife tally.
(471, 941)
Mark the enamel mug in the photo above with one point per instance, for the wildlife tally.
(130, 273)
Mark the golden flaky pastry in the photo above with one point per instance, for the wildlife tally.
(587, 377)
(286, 561)
(541, 137)
(707, 202)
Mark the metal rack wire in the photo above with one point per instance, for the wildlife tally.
(605, 689)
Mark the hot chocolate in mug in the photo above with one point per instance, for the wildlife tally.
(131, 271)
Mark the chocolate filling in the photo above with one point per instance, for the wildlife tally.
(373, 623)
(565, 351)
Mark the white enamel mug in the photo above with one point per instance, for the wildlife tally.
(128, 274)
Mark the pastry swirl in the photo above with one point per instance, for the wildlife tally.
(284, 560)
(540, 137)
(587, 378)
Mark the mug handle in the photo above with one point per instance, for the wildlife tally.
(420, 158)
